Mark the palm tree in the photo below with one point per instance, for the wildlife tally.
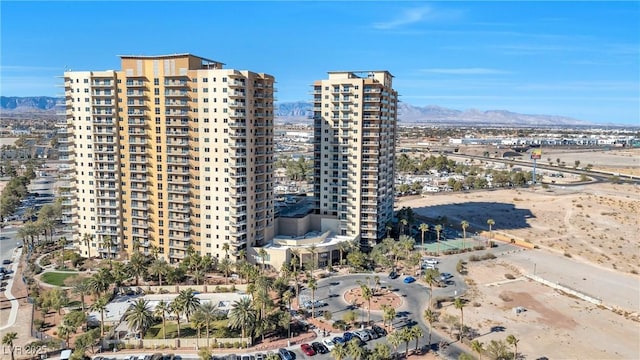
(430, 317)
(423, 228)
(100, 305)
(512, 340)
(262, 253)
(355, 350)
(226, 248)
(388, 315)
(107, 243)
(242, 315)
(137, 266)
(314, 264)
(208, 310)
(100, 281)
(404, 223)
(430, 277)
(416, 333)
(81, 288)
(139, 317)
(190, 302)
(64, 332)
(459, 304)
(86, 238)
(438, 230)
(313, 286)
(367, 294)
(343, 247)
(197, 322)
(177, 307)
(478, 347)
(339, 352)
(8, 339)
(159, 268)
(296, 253)
(464, 224)
(381, 352)
(395, 339)
(406, 336)
(225, 267)
(491, 222)
(161, 309)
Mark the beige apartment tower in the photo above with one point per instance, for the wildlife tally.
(355, 115)
(171, 152)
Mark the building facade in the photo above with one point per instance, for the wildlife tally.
(171, 152)
(355, 117)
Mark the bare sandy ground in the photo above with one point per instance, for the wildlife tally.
(593, 225)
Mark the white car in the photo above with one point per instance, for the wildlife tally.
(430, 261)
(363, 335)
(328, 343)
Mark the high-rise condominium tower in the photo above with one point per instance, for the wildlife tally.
(170, 152)
(355, 117)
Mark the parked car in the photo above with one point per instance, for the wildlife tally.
(430, 261)
(319, 348)
(285, 354)
(362, 335)
(320, 303)
(338, 340)
(6, 262)
(409, 280)
(393, 275)
(328, 343)
(445, 276)
(372, 334)
(307, 349)
(347, 336)
(380, 331)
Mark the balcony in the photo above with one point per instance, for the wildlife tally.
(136, 93)
(182, 209)
(238, 124)
(101, 83)
(135, 83)
(137, 123)
(176, 93)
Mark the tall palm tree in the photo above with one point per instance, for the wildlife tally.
(198, 321)
(137, 266)
(404, 223)
(225, 267)
(342, 248)
(459, 304)
(406, 336)
(423, 228)
(388, 315)
(339, 352)
(226, 248)
(416, 333)
(242, 315)
(64, 332)
(367, 294)
(381, 352)
(161, 309)
(82, 288)
(296, 253)
(512, 340)
(464, 224)
(314, 263)
(354, 349)
(107, 243)
(8, 339)
(100, 281)
(208, 310)
(189, 302)
(159, 268)
(262, 253)
(177, 307)
(100, 305)
(478, 347)
(86, 238)
(430, 277)
(430, 317)
(139, 317)
(395, 339)
(490, 222)
(438, 229)
(313, 286)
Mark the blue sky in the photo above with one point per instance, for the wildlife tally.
(577, 59)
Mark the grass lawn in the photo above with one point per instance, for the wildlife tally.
(57, 278)
(217, 328)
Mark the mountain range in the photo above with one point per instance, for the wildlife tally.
(301, 111)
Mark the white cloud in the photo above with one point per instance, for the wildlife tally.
(406, 17)
(465, 71)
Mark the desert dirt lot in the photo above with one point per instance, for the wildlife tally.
(588, 240)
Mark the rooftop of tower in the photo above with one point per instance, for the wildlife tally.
(362, 74)
(205, 61)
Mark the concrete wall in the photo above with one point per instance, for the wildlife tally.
(175, 343)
